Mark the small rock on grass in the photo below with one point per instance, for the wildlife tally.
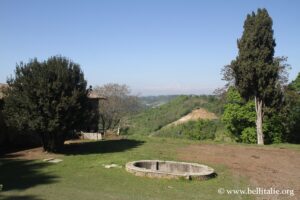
(111, 166)
(52, 160)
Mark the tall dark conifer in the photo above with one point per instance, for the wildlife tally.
(255, 72)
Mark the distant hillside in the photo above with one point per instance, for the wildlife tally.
(155, 101)
(199, 124)
(153, 119)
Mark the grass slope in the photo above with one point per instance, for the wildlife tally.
(197, 130)
(153, 119)
(82, 176)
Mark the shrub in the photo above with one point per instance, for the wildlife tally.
(249, 135)
(197, 130)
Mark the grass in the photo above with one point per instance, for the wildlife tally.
(82, 176)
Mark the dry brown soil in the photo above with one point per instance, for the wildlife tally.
(196, 114)
(265, 167)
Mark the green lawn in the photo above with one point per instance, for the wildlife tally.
(82, 176)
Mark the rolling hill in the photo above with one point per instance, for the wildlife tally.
(153, 119)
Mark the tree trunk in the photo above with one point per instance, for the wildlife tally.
(102, 128)
(52, 142)
(118, 131)
(44, 141)
(259, 120)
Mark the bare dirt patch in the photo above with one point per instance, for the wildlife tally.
(195, 115)
(30, 154)
(265, 167)
(39, 154)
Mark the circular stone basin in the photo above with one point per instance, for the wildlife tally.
(170, 169)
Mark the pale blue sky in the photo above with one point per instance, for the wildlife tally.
(156, 47)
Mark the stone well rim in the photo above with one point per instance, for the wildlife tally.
(131, 167)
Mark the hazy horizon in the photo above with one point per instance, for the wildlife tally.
(155, 47)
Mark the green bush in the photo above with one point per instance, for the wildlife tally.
(239, 119)
(249, 135)
(238, 114)
(274, 129)
(197, 130)
(224, 136)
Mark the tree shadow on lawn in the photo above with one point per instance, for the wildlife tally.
(104, 146)
(22, 197)
(16, 174)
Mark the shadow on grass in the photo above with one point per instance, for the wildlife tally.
(22, 174)
(23, 197)
(104, 146)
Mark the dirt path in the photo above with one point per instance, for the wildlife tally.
(264, 166)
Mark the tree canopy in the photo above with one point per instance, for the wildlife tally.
(48, 98)
(255, 72)
(117, 105)
(238, 115)
(295, 84)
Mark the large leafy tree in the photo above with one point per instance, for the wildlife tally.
(47, 98)
(293, 110)
(238, 115)
(239, 120)
(118, 104)
(295, 84)
(255, 71)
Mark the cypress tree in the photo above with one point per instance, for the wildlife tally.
(255, 71)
